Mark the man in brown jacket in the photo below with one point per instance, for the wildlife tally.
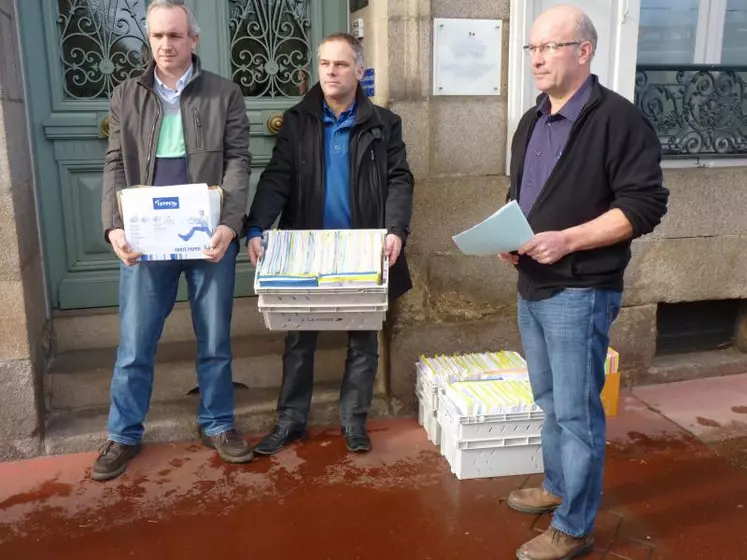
(176, 124)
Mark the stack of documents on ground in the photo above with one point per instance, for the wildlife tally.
(472, 367)
(322, 258)
(478, 398)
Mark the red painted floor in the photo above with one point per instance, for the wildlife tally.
(667, 496)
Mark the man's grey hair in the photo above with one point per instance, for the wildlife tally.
(585, 31)
(354, 43)
(194, 27)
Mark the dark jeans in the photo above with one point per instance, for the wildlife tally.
(357, 387)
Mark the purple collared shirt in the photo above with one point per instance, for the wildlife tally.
(547, 143)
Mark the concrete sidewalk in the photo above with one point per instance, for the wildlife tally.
(668, 495)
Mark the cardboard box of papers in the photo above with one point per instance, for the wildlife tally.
(172, 222)
(323, 280)
(611, 391)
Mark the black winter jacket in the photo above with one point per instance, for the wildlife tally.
(381, 184)
(612, 160)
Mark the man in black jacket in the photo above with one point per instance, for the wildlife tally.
(585, 169)
(339, 163)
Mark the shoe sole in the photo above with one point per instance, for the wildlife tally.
(364, 449)
(532, 510)
(288, 441)
(584, 550)
(103, 477)
(247, 458)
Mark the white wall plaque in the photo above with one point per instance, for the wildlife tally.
(467, 56)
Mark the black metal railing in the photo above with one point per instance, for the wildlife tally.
(696, 110)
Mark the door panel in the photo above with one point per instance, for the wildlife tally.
(84, 48)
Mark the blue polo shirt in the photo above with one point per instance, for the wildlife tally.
(337, 214)
(337, 168)
(546, 145)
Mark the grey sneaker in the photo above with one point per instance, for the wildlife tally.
(112, 460)
(230, 446)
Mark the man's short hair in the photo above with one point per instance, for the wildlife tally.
(354, 43)
(194, 27)
(585, 31)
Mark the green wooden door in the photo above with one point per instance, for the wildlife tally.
(77, 51)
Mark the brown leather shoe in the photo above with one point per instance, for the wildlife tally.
(533, 500)
(554, 545)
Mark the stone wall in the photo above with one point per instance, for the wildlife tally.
(22, 304)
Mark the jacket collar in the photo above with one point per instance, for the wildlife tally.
(313, 102)
(147, 78)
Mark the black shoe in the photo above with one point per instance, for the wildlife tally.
(112, 460)
(230, 446)
(356, 439)
(280, 436)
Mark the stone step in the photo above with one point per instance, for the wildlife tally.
(99, 328)
(82, 431)
(80, 379)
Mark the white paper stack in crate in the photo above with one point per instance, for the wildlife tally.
(490, 428)
(432, 374)
(323, 280)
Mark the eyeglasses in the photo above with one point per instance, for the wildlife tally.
(548, 48)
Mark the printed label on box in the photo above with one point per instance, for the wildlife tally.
(170, 223)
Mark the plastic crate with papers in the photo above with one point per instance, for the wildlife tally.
(490, 428)
(433, 373)
(323, 280)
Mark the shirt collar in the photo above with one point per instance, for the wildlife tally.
(329, 115)
(573, 107)
(183, 81)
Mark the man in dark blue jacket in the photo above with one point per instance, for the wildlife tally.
(339, 163)
(585, 169)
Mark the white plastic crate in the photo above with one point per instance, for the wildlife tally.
(489, 426)
(428, 418)
(492, 458)
(332, 318)
(325, 295)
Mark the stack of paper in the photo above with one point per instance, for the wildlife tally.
(322, 257)
(472, 367)
(505, 231)
(477, 398)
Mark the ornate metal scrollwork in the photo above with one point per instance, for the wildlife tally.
(270, 49)
(102, 43)
(695, 110)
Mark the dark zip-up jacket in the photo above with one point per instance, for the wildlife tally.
(381, 184)
(216, 137)
(612, 160)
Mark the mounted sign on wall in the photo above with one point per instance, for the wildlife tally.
(467, 56)
(368, 81)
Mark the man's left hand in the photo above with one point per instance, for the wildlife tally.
(393, 247)
(221, 240)
(547, 247)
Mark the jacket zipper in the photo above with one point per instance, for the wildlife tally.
(154, 134)
(353, 174)
(198, 126)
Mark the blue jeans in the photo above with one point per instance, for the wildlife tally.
(565, 341)
(147, 293)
